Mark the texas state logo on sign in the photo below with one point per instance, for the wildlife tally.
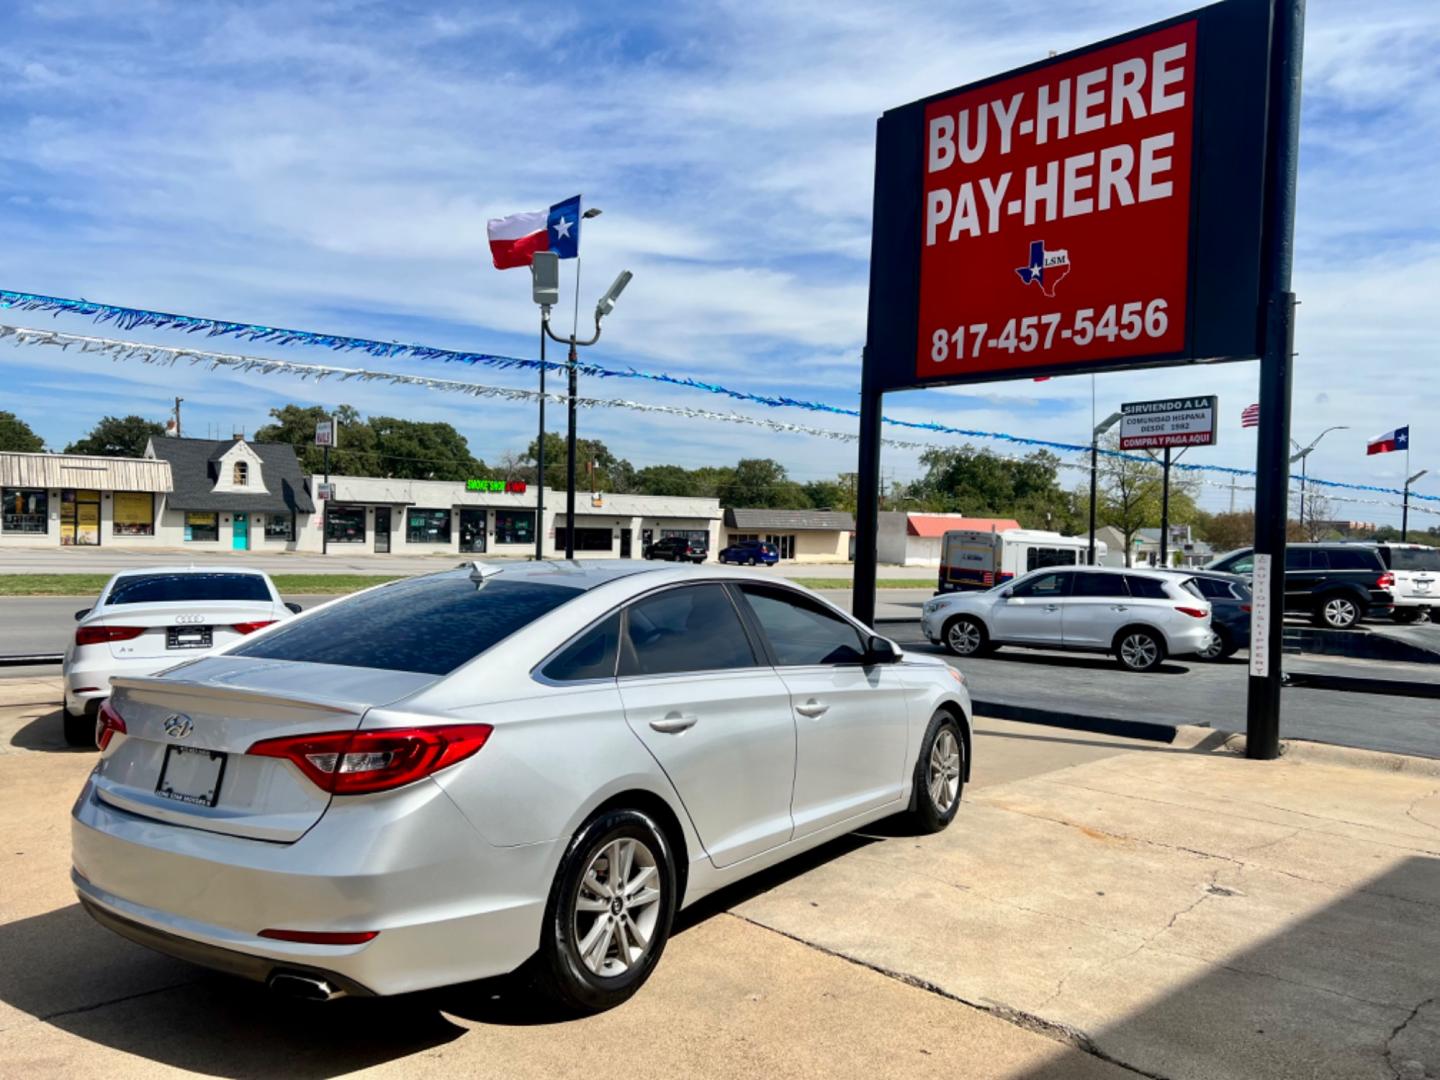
(1057, 212)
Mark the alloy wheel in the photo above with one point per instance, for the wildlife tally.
(964, 637)
(616, 907)
(1139, 651)
(1341, 613)
(1214, 646)
(944, 770)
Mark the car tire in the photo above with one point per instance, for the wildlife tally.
(582, 980)
(966, 636)
(939, 780)
(1338, 611)
(750, 562)
(1218, 648)
(79, 730)
(1139, 649)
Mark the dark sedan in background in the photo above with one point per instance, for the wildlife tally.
(1230, 608)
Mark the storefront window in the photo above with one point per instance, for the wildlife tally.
(587, 539)
(695, 536)
(428, 526)
(280, 527)
(202, 526)
(134, 513)
(26, 510)
(344, 524)
(514, 526)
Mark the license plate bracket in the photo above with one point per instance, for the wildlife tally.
(189, 637)
(191, 775)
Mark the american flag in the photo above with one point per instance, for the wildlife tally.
(1251, 416)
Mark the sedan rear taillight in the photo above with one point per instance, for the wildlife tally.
(362, 762)
(1193, 612)
(322, 937)
(1245, 607)
(1385, 581)
(107, 723)
(251, 627)
(98, 635)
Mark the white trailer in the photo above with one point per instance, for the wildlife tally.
(970, 559)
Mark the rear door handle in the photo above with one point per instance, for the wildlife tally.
(1052, 607)
(812, 709)
(1120, 607)
(673, 723)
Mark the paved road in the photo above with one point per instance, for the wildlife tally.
(1060, 685)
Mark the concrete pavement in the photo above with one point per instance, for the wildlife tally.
(1176, 910)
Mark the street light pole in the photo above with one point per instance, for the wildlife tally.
(1100, 429)
(1303, 457)
(1405, 507)
(603, 308)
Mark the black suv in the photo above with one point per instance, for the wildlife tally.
(1337, 585)
(677, 549)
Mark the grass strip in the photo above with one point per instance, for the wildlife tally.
(882, 583)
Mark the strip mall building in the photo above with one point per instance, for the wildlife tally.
(234, 495)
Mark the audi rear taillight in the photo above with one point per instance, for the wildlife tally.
(1245, 607)
(98, 635)
(1385, 581)
(1193, 612)
(107, 723)
(251, 627)
(363, 762)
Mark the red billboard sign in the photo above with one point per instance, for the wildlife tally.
(1099, 210)
(1057, 211)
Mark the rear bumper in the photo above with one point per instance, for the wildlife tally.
(448, 906)
(1184, 641)
(87, 676)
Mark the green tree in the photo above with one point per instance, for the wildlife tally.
(828, 495)
(16, 436)
(421, 450)
(596, 467)
(762, 482)
(1130, 494)
(672, 480)
(1228, 531)
(118, 436)
(977, 482)
(295, 425)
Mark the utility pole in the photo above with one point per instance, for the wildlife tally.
(1277, 369)
(1165, 511)
(178, 400)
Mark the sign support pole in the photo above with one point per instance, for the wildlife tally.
(1287, 31)
(540, 452)
(1094, 492)
(325, 515)
(1165, 511)
(867, 504)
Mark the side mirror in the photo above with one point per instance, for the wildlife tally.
(880, 650)
(81, 614)
(1007, 594)
(295, 608)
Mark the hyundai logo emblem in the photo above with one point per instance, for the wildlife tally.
(178, 725)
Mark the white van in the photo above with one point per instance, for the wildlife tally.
(971, 559)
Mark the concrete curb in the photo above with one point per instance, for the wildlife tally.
(1302, 751)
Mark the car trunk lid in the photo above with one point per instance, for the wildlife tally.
(182, 630)
(183, 760)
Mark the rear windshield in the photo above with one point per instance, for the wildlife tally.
(164, 588)
(1412, 559)
(430, 625)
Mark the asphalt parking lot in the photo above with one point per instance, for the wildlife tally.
(1102, 908)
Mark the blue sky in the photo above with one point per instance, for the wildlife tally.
(331, 165)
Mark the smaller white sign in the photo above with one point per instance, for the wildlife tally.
(1153, 425)
(325, 492)
(325, 433)
(1260, 621)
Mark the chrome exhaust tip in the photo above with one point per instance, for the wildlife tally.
(295, 984)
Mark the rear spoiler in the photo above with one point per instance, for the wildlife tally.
(151, 687)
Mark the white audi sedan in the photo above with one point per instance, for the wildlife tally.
(145, 621)
(459, 775)
(1138, 616)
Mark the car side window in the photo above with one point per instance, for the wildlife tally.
(590, 656)
(1245, 564)
(1353, 559)
(1300, 559)
(693, 628)
(1045, 586)
(1211, 588)
(801, 631)
(1105, 585)
(1146, 588)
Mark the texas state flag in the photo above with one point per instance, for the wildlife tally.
(1399, 439)
(514, 240)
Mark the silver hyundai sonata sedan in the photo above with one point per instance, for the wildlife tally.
(464, 774)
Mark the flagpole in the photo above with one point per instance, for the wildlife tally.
(570, 434)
